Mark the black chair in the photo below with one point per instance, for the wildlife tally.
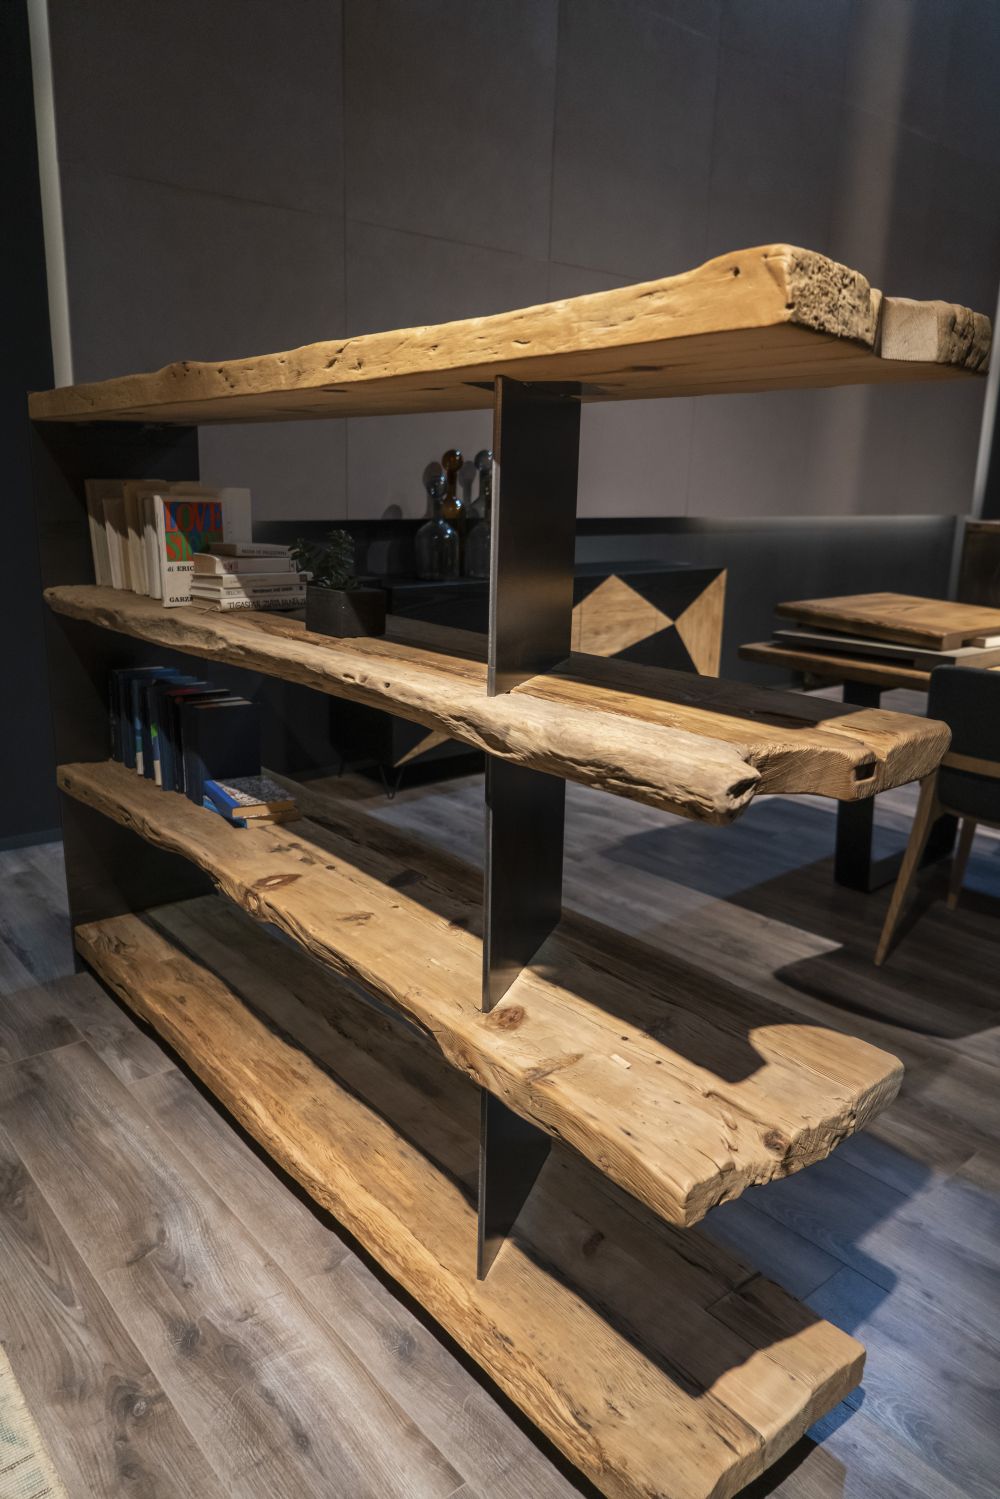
(966, 783)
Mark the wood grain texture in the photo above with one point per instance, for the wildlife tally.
(680, 1089)
(687, 744)
(437, 1391)
(108, 1423)
(700, 626)
(600, 1323)
(934, 332)
(613, 617)
(829, 666)
(41, 1017)
(771, 317)
(939, 624)
(275, 1402)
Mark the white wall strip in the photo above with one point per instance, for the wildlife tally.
(48, 176)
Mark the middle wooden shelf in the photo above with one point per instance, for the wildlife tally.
(688, 744)
(683, 1089)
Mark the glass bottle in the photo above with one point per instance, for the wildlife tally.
(452, 508)
(436, 544)
(477, 543)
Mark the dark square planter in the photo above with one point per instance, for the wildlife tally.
(345, 614)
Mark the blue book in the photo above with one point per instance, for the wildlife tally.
(155, 719)
(123, 738)
(250, 797)
(209, 805)
(140, 726)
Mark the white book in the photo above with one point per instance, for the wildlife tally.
(208, 564)
(97, 491)
(189, 518)
(116, 533)
(230, 605)
(985, 640)
(258, 583)
(151, 548)
(249, 549)
(134, 491)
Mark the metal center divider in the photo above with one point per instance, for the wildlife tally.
(536, 446)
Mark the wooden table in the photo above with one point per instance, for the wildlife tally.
(864, 680)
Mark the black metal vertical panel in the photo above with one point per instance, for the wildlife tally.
(525, 813)
(536, 445)
(511, 1154)
(536, 437)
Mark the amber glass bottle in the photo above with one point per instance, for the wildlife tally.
(453, 509)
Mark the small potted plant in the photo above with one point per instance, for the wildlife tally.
(337, 602)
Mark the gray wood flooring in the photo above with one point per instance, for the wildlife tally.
(184, 1325)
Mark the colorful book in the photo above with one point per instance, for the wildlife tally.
(188, 521)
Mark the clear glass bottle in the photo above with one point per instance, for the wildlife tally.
(436, 544)
(477, 542)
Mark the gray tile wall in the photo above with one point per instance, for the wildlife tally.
(245, 176)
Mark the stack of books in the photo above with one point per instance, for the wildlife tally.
(145, 533)
(187, 735)
(250, 799)
(247, 575)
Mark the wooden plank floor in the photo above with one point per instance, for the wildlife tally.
(895, 1238)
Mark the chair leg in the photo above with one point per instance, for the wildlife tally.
(960, 860)
(926, 815)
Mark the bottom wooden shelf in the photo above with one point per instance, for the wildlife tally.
(661, 1366)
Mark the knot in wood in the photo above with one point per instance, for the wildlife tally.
(776, 1141)
(506, 1017)
(274, 881)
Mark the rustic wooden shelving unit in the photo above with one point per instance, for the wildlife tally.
(424, 1121)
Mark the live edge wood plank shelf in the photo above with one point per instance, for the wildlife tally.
(519, 1114)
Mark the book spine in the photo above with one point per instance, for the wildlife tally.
(249, 549)
(247, 588)
(229, 606)
(96, 490)
(209, 565)
(151, 546)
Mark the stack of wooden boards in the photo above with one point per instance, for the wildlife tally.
(898, 627)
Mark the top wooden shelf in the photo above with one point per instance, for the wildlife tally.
(769, 318)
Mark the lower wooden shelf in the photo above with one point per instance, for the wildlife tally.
(683, 1089)
(660, 1366)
